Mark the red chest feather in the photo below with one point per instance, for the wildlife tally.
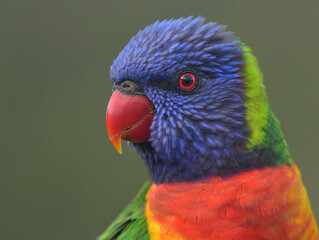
(267, 203)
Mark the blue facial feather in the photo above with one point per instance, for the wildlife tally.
(196, 134)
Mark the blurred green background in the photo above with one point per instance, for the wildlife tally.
(60, 177)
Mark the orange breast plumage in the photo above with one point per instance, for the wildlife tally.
(266, 203)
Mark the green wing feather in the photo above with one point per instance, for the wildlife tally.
(131, 223)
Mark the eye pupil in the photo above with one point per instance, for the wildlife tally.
(187, 81)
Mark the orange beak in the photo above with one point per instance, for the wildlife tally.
(128, 117)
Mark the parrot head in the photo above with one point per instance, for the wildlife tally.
(186, 95)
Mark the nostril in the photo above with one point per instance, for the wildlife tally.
(126, 85)
(130, 87)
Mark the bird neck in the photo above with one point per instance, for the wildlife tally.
(271, 151)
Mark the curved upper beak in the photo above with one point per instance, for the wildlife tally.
(128, 117)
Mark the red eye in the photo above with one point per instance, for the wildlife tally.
(187, 81)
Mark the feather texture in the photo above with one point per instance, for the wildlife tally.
(266, 203)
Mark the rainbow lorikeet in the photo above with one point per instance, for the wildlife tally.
(189, 97)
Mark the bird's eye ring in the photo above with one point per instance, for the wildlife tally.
(187, 81)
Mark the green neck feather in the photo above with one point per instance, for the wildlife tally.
(266, 137)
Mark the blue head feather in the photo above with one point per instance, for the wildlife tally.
(197, 134)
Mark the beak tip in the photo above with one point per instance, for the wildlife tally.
(119, 149)
(117, 144)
